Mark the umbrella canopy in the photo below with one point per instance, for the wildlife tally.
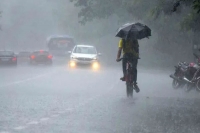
(134, 31)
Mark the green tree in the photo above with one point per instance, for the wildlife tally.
(173, 22)
(91, 9)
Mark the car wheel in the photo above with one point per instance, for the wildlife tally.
(31, 63)
(50, 63)
(14, 65)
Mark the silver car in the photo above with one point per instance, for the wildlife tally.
(84, 55)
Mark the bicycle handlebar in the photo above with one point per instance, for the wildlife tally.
(120, 59)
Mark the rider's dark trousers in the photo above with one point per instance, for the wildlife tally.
(134, 62)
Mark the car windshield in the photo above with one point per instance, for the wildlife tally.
(85, 50)
(6, 53)
(60, 43)
(41, 52)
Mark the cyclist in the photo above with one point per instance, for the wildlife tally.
(130, 48)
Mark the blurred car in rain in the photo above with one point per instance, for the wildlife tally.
(41, 57)
(84, 55)
(23, 56)
(59, 45)
(8, 58)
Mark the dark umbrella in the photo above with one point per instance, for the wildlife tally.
(134, 31)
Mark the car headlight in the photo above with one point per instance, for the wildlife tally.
(95, 65)
(72, 64)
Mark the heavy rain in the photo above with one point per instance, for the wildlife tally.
(99, 66)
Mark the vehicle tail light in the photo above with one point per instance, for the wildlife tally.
(32, 56)
(14, 59)
(50, 56)
(41, 51)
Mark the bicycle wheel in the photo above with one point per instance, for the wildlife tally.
(130, 90)
(129, 86)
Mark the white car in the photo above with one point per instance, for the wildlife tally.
(84, 55)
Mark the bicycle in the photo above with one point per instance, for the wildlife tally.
(129, 77)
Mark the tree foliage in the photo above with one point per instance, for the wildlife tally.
(92, 9)
(173, 20)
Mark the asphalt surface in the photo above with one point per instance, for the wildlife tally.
(56, 99)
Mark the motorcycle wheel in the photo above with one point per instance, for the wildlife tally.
(198, 85)
(189, 87)
(176, 84)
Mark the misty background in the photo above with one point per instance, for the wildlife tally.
(26, 24)
(60, 99)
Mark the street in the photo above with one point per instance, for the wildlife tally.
(56, 99)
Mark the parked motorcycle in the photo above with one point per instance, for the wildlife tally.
(180, 71)
(192, 75)
(187, 74)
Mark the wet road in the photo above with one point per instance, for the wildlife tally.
(58, 100)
